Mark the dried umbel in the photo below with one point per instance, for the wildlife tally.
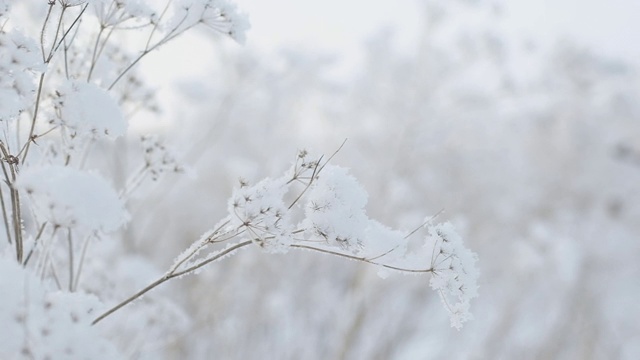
(319, 207)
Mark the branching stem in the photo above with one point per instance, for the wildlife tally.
(363, 259)
(33, 120)
(169, 276)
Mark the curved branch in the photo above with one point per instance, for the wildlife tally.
(363, 259)
(170, 276)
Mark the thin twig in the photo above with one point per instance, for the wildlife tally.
(42, 32)
(35, 243)
(95, 51)
(214, 258)
(18, 224)
(55, 36)
(313, 177)
(157, 22)
(70, 28)
(33, 119)
(15, 200)
(134, 181)
(206, 241)
(131, 298)
(85, 246)
(424, 223)
(66, 47)
(316, 171)
(383, 254)
(4, 213)
(41, 264)
(170, 36)
(330, 252)
(70, 244)
(334, 154)
(54, 274)
(53, 50)
(170, 276)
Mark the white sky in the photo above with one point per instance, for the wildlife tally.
(611, 26)
(339, 27)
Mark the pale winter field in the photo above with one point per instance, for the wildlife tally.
(172, 189)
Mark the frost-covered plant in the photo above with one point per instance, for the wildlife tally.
(60, 102)
(41, 322)
(320, 207)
